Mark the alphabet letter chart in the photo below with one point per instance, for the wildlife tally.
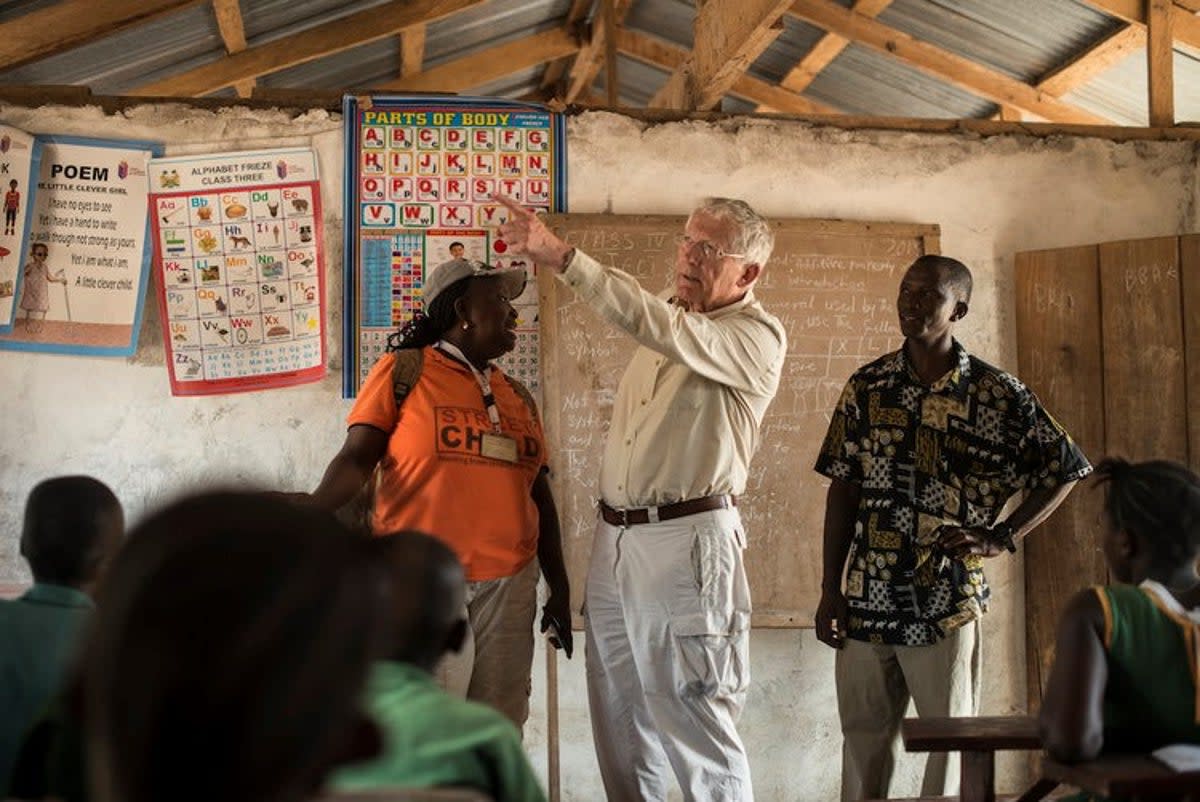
(420, 178)
(240, 268)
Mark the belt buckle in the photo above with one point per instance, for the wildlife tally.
(624, 511)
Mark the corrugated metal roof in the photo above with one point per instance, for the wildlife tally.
(487, 26)
(786, 51)
(861, 81)
(1025, 39)
(1120, 93)
(638, 81)
(121, 61)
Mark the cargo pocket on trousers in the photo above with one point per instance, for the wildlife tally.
(714, 665)
(712, 632)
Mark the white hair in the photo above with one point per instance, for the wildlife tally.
(752, 233)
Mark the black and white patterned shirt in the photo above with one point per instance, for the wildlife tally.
(947, 454)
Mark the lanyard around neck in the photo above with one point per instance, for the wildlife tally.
(485, 385)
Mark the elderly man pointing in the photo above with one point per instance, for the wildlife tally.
(667, 603)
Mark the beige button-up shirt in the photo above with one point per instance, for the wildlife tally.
(687, 411)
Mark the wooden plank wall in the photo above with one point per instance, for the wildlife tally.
(1103, 337)
(1058, 351)
(1145, 403)
(1189, 264)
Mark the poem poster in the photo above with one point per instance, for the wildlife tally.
(420, 178)
(20, 155)
(83, 280)
(240, 269)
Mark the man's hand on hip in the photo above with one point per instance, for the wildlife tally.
(832, 612)
(961, 542)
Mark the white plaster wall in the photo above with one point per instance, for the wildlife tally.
(992, 197)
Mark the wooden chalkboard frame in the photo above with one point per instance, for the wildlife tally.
(589, 232)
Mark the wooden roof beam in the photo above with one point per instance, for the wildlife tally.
(487, 65)
(556, 69)
(1087, 65)
(233, 34)
(591, 55)
(324, 40)
(1185, 26)
(666, 56)
(412, 50)
(827, 49)
(68, 24)
(729, 36)
(1160, 62)
(941, 64)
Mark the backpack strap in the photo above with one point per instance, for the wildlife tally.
(406, 370)
(526, 396)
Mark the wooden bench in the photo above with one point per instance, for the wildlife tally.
(977, 739)
(1135, 777)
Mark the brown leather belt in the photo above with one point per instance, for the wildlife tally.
(632, 516)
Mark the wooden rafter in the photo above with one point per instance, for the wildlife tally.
(941, 64)
(487, 65)
(612, 84)
(1160, 61)
(1087, 65)
(588, 61)
(68, 24)
(1189, 5)
(557, 68)
(669, 57)
(729, 36)
(412, 50)
(1184, 25)
(233, 34)
(827, 49)
(324, 40)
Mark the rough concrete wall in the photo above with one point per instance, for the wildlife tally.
(992, 197)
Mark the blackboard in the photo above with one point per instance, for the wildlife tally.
(833, 284)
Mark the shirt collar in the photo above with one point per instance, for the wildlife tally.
(953, 381)
(1168, 601)
(730, 309)
(452, 354)
(57, 596)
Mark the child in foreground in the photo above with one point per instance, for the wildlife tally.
(1125, 671)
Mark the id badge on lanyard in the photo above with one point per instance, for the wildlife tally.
(496, 444)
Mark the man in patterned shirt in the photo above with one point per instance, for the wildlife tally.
(925, 447)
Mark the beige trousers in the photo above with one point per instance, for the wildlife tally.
(668, 632)
(494, 664)
(874, 684)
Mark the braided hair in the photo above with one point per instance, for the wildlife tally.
(1157, 501)
(427, 327)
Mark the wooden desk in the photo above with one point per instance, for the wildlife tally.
(1124, 776)
(977, 739)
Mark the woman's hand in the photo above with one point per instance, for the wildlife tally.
(556, 617)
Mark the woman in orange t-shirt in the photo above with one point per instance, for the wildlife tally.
(464, 460)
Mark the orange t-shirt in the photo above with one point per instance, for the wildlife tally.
(434, 478)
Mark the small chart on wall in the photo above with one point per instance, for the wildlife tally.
(421, 173)
(833, 283)
(240, 268)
